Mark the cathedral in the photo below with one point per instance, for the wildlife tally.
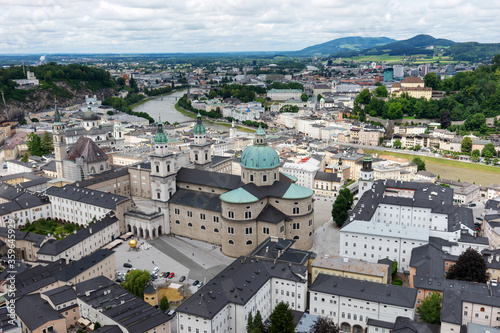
(234, 212)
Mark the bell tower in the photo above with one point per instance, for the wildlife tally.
(59, 143)
(200, 149)
(366, 177)
(162, 176)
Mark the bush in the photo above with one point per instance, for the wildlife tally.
(398, 282)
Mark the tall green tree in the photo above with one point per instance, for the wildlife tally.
(469, 267)
(25, 158)
(47, 143)
(381, 91)
(430, 309)
(164, 304)
(489, 150)
(34, 144)
(397, 144)
(281, 319)
(304, 97)
(258, 323)
(475, 155)
(341, 206)
(432, 80)
(363, 97)
(420, 163)
(136, 281)
(466, 145)
(249, 322)
(324, 325)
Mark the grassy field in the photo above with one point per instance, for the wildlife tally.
(381, 57)
(45, 227)
(454, 170)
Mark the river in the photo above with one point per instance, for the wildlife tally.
(165, 108)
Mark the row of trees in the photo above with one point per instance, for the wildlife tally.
(124, 105)
(242, 92)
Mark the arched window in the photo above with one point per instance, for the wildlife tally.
(196, 157)
(230, 215)
(190, 224)
(251, 178)
(206, 156)
(355, 317)
(230, 241)
(177, 222)
(216, 230)
(101, 168)
(168, 167)
(248, 215)
(296, 237)
(249, 242)
(360, 317)
(203, 227)
(157, 168)
(296, 210)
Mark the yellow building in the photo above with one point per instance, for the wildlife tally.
(350, 268)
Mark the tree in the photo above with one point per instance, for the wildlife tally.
(397, 144)
(469, 267)
(466, 145)
(420, 164)
(489, 150)
(25, 158)
(164, 304)
(363, 97)
(35, 120)
(249, 322)
(381, 91)
(432, 80)
(257, 323)
(495, 161)
(319, 97)
(475, 155)
(281, 319)
(47, 143)
(304, 97)
(341, 206)
(445, 119)
(34, 144)
(430, 309)
(97, 325)
(394, 269)
(136, 281)
(110, 113)
(324, 325)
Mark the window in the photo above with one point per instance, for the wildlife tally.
(248, 231)
(249, 242)
(296, 210)
(157, 168)
(230, 230)
(216, 230)
(216, 219)
(202, 216)
(203, 227)
(190, 224)
(310, 222)
(189, 213)
(177, 222)
(264, 178)
(265, 230)
(230, 215)
(177, 211)
(295, 226)
(251, 178)
(230, 241)
(248, 215)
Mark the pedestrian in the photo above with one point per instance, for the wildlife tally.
(153, 262)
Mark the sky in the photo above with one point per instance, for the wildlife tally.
(191, 26)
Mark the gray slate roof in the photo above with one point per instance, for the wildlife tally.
(92, 197)
(365, 290)
(35, 311)
(86, 149)
(196, 199)
(237, 284)
(207, 178)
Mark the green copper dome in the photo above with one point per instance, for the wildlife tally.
(199, 128)
(160, 136)
(90, 115)
(260, 155)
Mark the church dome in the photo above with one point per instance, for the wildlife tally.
(199, 128)
(90, 115)
(160, 136)
(260, 155)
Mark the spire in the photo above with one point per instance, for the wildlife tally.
(160, 136)
(199, 128)
(57, 116)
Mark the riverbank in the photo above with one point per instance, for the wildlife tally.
(194, 115)
(142, 101)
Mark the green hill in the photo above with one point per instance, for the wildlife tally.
(411, 46)
(343, 44)
(473, 51)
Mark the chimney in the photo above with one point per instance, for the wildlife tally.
(67, 259)
(267, 249)
(345, 259)
(90, 230)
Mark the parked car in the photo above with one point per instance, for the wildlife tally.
(472, 205)
(195, 283)
(479, 218)
(166, 274)
(126, 264)
(119, 279)
(182, 278)
(156, 270)
(171, 275)
(171, 312)
(200, 284)
(154, 277)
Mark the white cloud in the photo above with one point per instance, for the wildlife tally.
(50, 26)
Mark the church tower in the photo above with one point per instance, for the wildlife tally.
(59, 137)
(233, 131)
(162, 176)
(200, 150)
(366, 178)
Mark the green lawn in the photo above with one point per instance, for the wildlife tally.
(440, 161)
(409, 117)
(45, 227)
(381, 57)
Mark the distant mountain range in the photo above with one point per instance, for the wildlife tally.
(420, 44)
